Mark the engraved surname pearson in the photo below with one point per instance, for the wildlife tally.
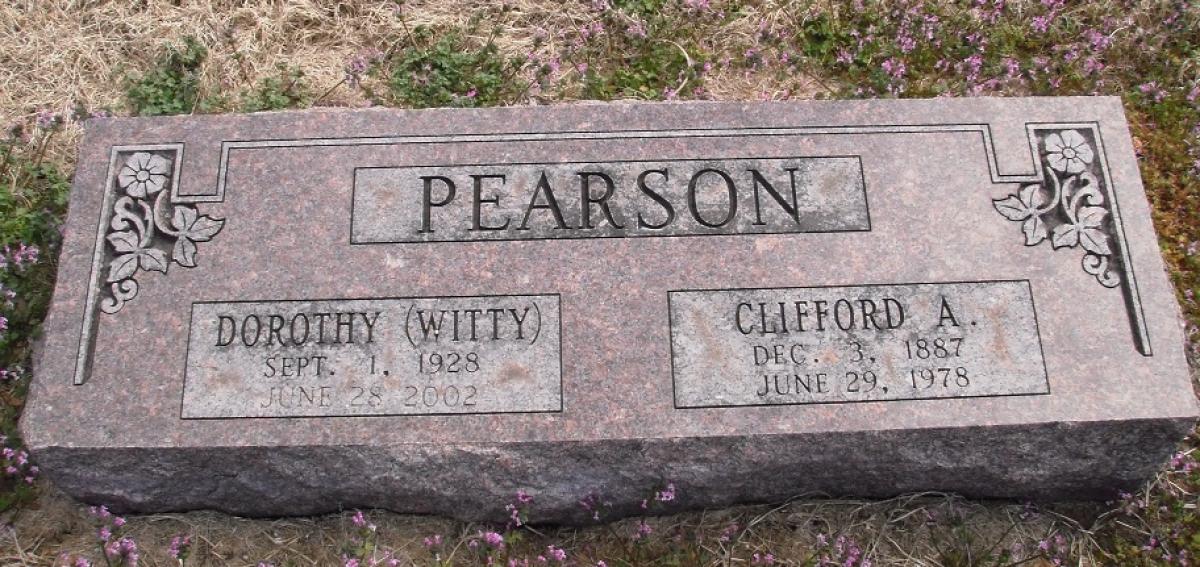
(595, 200)
(418, 356)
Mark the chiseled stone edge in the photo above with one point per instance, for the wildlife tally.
(473, 482)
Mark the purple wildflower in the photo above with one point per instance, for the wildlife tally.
(728, 533)
(22, 256)
(124, 549)
(494, 540)
(1012, 68)
(1097, 40)
(894, 68)
(1152, 90)
(643, 530)
(179, 547)
(47, 119)
(764, 559)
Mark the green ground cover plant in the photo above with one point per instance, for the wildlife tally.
(172, 86)
(32, 205)
(434, 54)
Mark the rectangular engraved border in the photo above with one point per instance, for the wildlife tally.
(1141, 336)
(861, 175)
(1036, 328)
(187, 354)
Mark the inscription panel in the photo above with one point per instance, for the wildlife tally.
(782, 346)
(362, 357)
(610, 199)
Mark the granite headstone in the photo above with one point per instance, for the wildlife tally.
(426, 311)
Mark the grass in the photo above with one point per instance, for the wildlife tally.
(60, 62)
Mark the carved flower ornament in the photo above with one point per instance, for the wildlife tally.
(144, 174)
(1068, 152)
(1071, 211)
(139, 216)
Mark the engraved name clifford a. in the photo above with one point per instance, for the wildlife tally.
(771, 346)
(800, 317)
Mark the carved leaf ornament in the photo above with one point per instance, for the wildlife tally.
(1068, 208)
(146, 225)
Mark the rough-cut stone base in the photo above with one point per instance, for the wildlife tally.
(1065, 461)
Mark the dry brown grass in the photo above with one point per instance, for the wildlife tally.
(59, 53)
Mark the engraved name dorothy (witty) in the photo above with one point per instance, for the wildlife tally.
(297, 353)
(594, 195)
(852, 364)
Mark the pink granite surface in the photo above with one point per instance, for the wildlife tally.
(1111, 416)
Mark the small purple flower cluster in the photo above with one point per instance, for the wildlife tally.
(118, 549)
(364, 552)
(13, 260)
(762, 559)
(47, 119)
(360, 64)
(360, 521)
(636, 29)
(1055, 549)
(1042, 23)
(1156, 548)
(989, 11)
(556, 554)
(728, 533)
(594, 504)
(11, 374)
(1153, 91)
(1184, 462)
(16, 464)
(667, 494)
(66, 560)
(20, 257)
(842, 552)
(181, 546)
(518, 510)
(643, 530)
